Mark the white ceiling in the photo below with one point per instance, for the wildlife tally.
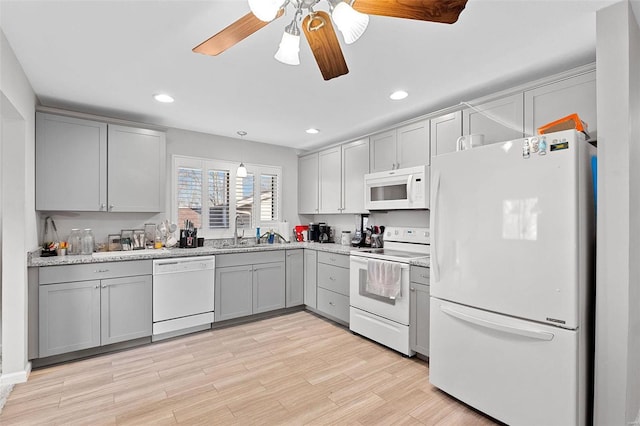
(109, 57)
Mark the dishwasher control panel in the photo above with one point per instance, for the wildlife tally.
(183, 264)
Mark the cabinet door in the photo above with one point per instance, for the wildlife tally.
(445, 131)
(69, 317)
(294, 278)
(330, 161)
(553, 101)
(233, 292)
(71, 164)
(500, 120)
(136, 169)
(355, 164)
(310, 278)
(308, 184)
(413, 144)
(268, 287)
(383, 151)
(419, 318)
(125, 308)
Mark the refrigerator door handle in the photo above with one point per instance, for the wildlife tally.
(435, 268)
(526, 332)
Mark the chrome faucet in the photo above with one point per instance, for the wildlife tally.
(235, 231)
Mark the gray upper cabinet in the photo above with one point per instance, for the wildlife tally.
(355, 164)
(308, 184)
(405, 146)
(71, 164)
(383, 151)
(445, 131)
(550, 102)
(136, 162)
(113, 168)
(498, 120)
(330, 180)
(294, 278)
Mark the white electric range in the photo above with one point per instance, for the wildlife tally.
(385, 318)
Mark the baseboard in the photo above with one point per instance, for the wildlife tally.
(17, 377)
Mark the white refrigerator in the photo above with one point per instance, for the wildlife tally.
(512, 271)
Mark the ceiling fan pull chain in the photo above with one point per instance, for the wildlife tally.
(315, 17)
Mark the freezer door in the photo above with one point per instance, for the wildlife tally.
(519, 372)
(508, 232)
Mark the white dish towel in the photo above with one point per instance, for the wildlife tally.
(383, 278)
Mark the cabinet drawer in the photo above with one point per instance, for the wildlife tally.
(253, 258)
(420, 275)
(341, 260)
(94, 271)
(334, 304)
(333, 278)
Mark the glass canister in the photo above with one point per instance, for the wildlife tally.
(88, 242)
(75, 240)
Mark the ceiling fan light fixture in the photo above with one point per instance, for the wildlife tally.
(351, 23)
(289, 50)
(265, 10)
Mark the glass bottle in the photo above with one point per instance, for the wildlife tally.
(75, 239)
(88, 242)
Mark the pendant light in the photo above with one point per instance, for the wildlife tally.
(242, 170)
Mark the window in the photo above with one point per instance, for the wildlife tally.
(212, 185)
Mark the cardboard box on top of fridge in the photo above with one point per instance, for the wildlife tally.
(571, 121)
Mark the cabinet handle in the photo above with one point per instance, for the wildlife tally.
(111, 206)
(104, 286)
(424, 276)
(332, 279)
(333, 259)
(97, 286)
(99, 271)
(103, 206)
(332, 304)
(413, 289)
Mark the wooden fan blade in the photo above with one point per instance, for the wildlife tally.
(445, 11)
(232, 34)
(322, 39)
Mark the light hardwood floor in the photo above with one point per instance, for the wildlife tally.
(292, 369)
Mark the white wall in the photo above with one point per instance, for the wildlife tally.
(617, 355)
(17, 106)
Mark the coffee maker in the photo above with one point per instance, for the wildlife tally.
(324, 233)
(314, 232)
(358, 240)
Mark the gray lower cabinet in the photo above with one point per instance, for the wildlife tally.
(233, 292)
(249, 283)
(310, 278)
(126, 305)
(69, 317)
(86, 314)
(419, 310)
(294, 278)
(333, 285)
(90, 305)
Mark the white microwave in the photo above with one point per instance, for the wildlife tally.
(398, 189)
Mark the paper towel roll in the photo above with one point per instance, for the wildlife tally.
(284, 230)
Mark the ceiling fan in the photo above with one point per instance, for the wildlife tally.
(351, 18)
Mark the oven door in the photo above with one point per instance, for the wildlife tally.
(393, 309)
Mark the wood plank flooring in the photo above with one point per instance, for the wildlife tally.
(292, 369)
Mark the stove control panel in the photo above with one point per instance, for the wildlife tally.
(407, 235)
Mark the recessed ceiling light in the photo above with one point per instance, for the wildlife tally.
(312, 131)
(163, 97)
(398, 95)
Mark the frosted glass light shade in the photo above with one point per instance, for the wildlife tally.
(242, 171)
(350, 22)
(265, 10)
(289, 50)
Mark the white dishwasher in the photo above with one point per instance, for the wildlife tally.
(183, 295)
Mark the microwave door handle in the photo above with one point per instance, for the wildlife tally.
(410, 189)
